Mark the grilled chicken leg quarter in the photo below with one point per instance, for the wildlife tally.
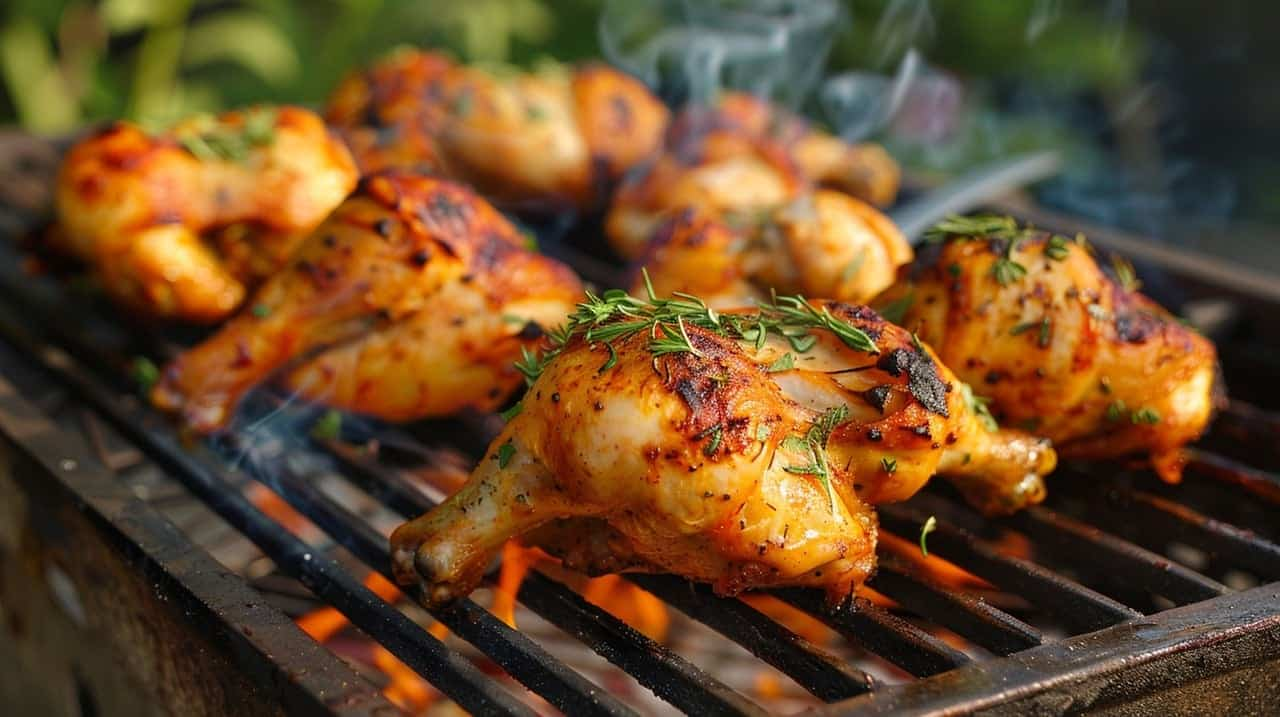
(1060, 347)
(182, 225)
(744, 449)
(413, 299)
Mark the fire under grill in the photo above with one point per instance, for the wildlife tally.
(1119, 595)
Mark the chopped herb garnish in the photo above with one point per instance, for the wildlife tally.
(978, 407)
(1125, 275)
(328, 426)
(530, 240)
(535, 113)
(1046, 329)
(896, 310)
(717, 433)
(611, 361)
(1104, 385)
(1057, 248)
(929, 526)
(1149, 416)
(504, 454)
(615, 315)
(890, 465)
(216, 141)
(260, 311)
(1116, 410)
(1006, 271)
(1022, 328)
(815, 443)
(976, 226)
(145, 373)
(954, 270)
(513, 319)
(785, 362)
(512, 412)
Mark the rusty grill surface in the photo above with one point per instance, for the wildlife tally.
(1132, 596)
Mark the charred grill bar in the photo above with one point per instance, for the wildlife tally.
(1108, 637)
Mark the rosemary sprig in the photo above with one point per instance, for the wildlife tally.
(616, 315)
(215, 141)
(815, 443)
(978, 226)
(978, 407)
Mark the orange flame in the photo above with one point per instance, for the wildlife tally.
(941, 571)
(405, 689)
(275, 507)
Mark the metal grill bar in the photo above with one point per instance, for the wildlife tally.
(1264, 484)
(1103, 555)
(889, 636)
(1078, 607)
(656, 667)
(971, 618)
(812, 668)
(817, 671)
(1156, 521)
(429, 657)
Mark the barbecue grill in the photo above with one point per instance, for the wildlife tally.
(1120, 595)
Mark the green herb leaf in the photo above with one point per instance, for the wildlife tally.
(1046, 329)
(1057, 248)
(785, 362)
(1006, 271)
(814, 443)
(1125, 274)
(717, 433)
(1022, 328)
(896, 310)
(972, 227)
(1149, 416)
(328, 426)
(260, 311)
(890, 465)
(504, 454)
(145, 373)
(611, 361)
(978, 407)
(1115, 410)
(929, 526)
(512, 412)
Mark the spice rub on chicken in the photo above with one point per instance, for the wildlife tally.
(181, 225)
(413, 299)
(1063, 347)
(745, 449)
(557, 136)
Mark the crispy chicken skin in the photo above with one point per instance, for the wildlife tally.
(1065, 350)
(177, 235)
(413, 299)
(743, 155)
(822, 244)
(560, 136)
(708, 462)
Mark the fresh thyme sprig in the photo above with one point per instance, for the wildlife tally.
(814, 442)
(616, 315)
(216, 141)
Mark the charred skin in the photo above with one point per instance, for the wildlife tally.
(173, 236)
(413, 299)
(1065, 351)
(559, 137)
(824, 244)
(680, 464)
(743, 155)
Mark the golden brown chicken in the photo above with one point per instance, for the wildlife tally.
(413, 299)
(743, 155)
(560, 136)
(182, 224)
(821, 244)
(744, 449)
(1030, 320)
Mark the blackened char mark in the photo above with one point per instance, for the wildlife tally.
(922, 378)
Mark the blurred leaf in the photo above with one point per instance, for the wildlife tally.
(127, 15)
(246, 38)
(39, 92)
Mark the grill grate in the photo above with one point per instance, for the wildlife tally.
(1118, 547)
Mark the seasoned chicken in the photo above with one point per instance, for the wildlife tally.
(182, 224)
(742, 155)
(413, 299)
(821, 244)
(1060, 347)
(743, 448)
(559, 136)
